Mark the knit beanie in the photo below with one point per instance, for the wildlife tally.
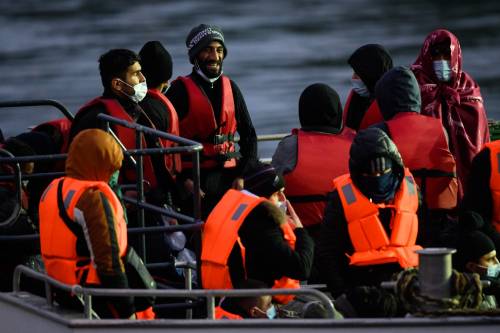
(263, 180)
(156, 63)
(200, 36)
(475, 245)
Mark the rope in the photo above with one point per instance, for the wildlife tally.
(466, 288)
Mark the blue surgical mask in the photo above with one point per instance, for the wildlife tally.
(493, 271)
(442, 70)
(271, 312)
(360, 88)
(140, 91)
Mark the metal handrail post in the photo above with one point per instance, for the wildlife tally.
(188, 286)
(87, 306)
(140, 194)
(210, 307)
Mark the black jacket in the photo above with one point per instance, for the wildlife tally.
(268, 255)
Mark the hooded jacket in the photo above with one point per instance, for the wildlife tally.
(370, 62)
(458, 103)
(315, 154)
(334, 242)
(421, 140)
(93, 157)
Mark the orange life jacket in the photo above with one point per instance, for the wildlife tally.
(320, 158)
(494, 148)
(286, 282)
(220, 313)
(220, 234)
(126, 136)
(372, 246)
(200, 125)
(372, 115)
(173, 161)
(59, 230)
(422, 144)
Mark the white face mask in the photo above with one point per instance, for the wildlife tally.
(442, 70)
(493, 271)
(140, 91)
(360, 88)
(282, 206)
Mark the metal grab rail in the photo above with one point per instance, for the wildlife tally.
(188, 146)
(210, 295)
(39, 102)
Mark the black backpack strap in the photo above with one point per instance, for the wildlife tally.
(75, 228)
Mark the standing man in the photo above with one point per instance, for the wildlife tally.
(211, 110)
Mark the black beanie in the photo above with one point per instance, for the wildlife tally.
(200, 36)
(319, 106)
(156, 63)
(475, 245)
(263, 180)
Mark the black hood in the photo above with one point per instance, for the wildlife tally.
(398, 91)
(370, 62)
(320, 109)
(369, 144)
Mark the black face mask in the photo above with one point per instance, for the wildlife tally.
(381, 188)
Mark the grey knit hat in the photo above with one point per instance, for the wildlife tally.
(200, 36)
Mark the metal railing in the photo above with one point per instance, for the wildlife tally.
(87, 293)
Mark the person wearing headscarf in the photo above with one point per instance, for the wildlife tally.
(369, 63)
(314, 154)
(211, 109)
(365, 236)
(423, 145)
(452, 95)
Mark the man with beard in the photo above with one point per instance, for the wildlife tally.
(211, 110)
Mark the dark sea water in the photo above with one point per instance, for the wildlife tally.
(49, 49)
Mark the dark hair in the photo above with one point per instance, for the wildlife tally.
(115, 63)
(18, 148)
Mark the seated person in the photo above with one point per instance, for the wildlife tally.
(370, 226)
(247, 307)
(247, 236)
(83, 231)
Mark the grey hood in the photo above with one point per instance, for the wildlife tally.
(397, 91)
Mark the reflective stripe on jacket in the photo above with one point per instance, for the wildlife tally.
(58, 238)
(494, 148)
(372, 245)
(200, 124)
(320, 158)
(422, 144)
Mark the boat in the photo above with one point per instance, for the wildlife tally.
(24, 311)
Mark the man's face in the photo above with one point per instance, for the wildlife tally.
(210, 59)
(132, 76)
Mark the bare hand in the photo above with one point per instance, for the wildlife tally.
(294, 218)
(238, 184)
(189, 186)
